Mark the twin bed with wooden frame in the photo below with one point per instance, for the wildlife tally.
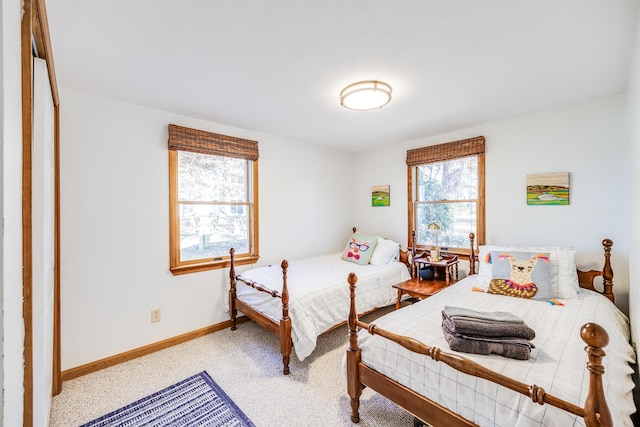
(402, 360)
(302, 299)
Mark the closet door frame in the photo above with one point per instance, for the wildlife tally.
(35, 42)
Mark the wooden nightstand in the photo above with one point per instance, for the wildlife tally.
(445, 269)
(445, 273)
(418, 288)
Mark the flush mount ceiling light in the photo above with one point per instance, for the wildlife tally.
(366, 95)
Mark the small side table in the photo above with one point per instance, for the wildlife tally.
(418, 288)
(447, 265)
(445, 273)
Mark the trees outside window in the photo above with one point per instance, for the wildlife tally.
(213, 193)
(446, 183)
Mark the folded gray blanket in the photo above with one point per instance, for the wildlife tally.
(485, 324)
(492, 316)
(511, 350)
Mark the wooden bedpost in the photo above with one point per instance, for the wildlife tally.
(586, 278)
(354, 386)
(232, 290)
(472, 255)
(285, 323)
(607, 271)
(596, 411)
(414, 267)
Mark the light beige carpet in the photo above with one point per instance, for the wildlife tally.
(247, 364)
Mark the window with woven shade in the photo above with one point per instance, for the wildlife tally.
(446, 187)
(213, 193)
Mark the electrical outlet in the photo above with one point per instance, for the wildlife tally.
(155, 315)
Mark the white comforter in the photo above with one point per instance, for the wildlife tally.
(557, 362)
(319, 294)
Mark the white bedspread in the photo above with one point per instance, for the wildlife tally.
(557, 363)
(319, 294)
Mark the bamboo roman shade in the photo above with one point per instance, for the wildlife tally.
(447, 151)
(199, 141)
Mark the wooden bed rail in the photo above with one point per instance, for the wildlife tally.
(595, 411)
(259, 287)
(233, 279)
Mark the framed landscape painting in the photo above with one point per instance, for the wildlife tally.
(548, 189)
(380, 195)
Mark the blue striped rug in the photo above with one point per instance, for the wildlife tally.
(196, 401)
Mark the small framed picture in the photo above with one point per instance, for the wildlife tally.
(380, 195)
(548, 189)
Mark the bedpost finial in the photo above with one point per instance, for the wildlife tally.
(596, 410)
(284, 264)
(607, 243)
(232, 270)
(353, 312)
(354, 229)
(352, 279)
(594, 335)
(472, 254)
(413, 247)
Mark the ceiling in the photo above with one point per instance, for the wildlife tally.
(278, 66)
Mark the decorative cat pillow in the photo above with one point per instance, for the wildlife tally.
(359, 248)
(521, 274)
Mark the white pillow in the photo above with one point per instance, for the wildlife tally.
(385, 252)
(564, 282)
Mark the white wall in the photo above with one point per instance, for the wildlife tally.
(115, 224)
(588, 140)
(633, 95)
(11, 208)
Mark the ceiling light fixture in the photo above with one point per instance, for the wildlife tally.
(365, 95)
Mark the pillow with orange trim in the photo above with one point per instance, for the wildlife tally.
(521, 274)
(564, 276)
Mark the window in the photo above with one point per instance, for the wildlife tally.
(213, 193)
(446, 186)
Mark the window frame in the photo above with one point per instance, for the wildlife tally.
(440, 154)
(195, 139)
